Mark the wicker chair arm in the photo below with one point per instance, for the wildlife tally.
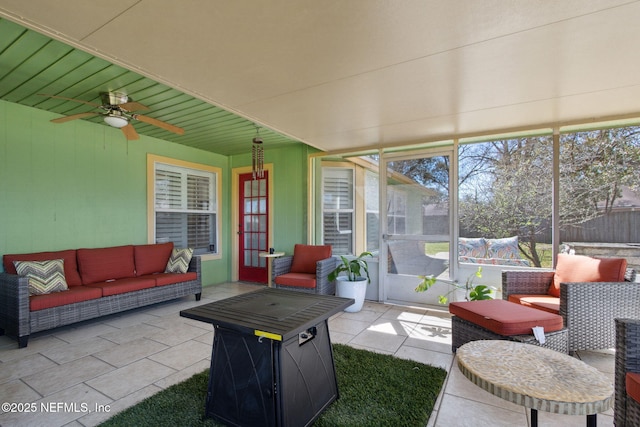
(323, 269)
(530, 282)
(281, 265)
(589, 310)
(626, 411)
(14, 304)
(196, 266)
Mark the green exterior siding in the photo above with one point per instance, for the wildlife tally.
(79, 184)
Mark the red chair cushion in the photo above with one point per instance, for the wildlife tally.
(164, 279)
(504, 317)
(580, 268)
(305, 257)
(72, 295)
(633, 385)
(102, 264)
(151, 259)
(71, 274)
(541, 302)
(299, 280)
(123, 286)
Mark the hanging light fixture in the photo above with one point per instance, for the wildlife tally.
(257, 156)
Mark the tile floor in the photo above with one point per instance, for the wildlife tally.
(84, 373)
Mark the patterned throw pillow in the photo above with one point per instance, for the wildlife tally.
(44, 276)
(472, 247)
(179, 260)
(506, 248)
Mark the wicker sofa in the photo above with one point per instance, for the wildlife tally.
(98, 282)
(588, 308)
(627, 373)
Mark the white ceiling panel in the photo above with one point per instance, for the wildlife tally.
(369, 72)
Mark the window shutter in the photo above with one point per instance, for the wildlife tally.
(185, 207)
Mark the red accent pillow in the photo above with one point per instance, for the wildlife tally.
(102, 264)
(71, 274)
(581, 268)
(152, 258)
(305, 257)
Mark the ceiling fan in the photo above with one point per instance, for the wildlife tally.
(118, 111)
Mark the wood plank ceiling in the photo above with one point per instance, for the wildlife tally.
(33, 64)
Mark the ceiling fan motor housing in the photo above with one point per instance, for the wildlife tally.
(113, 98)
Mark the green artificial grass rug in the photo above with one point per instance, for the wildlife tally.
(375, 390)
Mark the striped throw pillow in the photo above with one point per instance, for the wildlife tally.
(44, 276)
(179, 260)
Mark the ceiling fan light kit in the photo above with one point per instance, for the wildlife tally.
(118, 111)
(116, 121)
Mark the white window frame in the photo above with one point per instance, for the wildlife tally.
(213, 207)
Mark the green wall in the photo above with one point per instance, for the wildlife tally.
(82, 184)
(290, 192)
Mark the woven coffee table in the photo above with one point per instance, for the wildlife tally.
(537, 378)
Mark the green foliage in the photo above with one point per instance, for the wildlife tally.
(353, 268)
(472, 292)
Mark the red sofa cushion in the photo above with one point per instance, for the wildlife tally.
(299, 280)
(71, 274)
(581, 268)
(633, 385)
(153, 258)
(541, 302)
(504, 317)
(305, 257)
(122, 286)
(102, 264)
(72, 295)
(164, 279)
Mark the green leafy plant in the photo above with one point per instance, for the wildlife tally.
(353, 268)
(472, 292)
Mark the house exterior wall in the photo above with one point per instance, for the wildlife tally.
(289, 210)
(79, 184)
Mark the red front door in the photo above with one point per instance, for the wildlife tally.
(253, 228)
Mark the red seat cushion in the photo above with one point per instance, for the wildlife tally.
(72, 295)
(305, 257)
(102, 264)
(504, 317)
(151, 259)
(71, 274)
(541, 302)
(122, 286)
(580, 268)
(163, 279)
(633, 385)
(299, 280)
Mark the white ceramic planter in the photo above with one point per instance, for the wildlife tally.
(355, 290)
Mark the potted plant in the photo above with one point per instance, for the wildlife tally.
(354, 283)
(471, 292)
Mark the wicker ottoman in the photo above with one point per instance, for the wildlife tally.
(504, 320)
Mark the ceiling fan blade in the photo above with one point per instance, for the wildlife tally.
(133, 106)
(71, 99)
(130, 132)
(159, 123)
(73, 117)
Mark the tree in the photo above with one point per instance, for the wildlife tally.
(510, 193)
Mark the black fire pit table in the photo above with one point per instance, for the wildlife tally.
(271, 361)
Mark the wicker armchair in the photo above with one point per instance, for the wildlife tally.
(307, 270)
(588, 308)
(626, 410)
